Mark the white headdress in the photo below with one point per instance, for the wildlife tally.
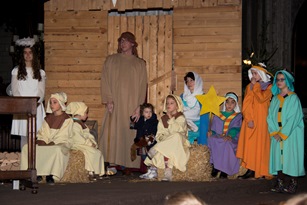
(198, 90)
(233, 96)
(76, 108)
(27, 42)
(61, 97)
(262, 72)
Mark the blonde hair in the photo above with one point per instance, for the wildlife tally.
(183, 198)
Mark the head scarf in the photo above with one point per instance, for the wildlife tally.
(288, 79)
(198, 90)
(231, 95)
(61, 98)
(178, 101)
(262, 72)
(76, 108)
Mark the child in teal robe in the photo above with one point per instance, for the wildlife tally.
(286, 128)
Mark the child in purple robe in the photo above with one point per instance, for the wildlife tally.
(223, 138)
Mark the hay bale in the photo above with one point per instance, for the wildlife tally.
(242, 171)
(198, 167)
(10, 161)
(75, 171)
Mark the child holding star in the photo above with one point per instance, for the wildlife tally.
(223, 138)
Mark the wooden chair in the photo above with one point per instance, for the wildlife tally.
(27, 106)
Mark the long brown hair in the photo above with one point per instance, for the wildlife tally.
(131, 38)
(22, 72)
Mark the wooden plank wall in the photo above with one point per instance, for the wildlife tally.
(201, 36)
(123, 5)
(154, 37)
(208, 41)
(75, 49)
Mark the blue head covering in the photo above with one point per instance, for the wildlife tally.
(289, 82)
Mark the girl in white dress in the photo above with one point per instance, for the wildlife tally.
(28, 79)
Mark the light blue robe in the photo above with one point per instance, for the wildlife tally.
(287, 156)
(203, 125)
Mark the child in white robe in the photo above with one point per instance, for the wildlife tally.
(84, 141)
(53, 141)
(172, 148)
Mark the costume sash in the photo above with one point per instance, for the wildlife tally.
(227, 121)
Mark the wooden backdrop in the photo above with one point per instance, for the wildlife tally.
(192, 35)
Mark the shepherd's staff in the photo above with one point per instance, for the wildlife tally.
(109, 134)
(109, 129)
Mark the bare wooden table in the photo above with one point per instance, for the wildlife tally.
(27, 106)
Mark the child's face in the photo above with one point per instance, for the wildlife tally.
(281, 81)
(256, 75)
(55, 105)
(27, 54)
(190, 84)
(147, 113)
(85, 116)
(171, 105)
(230, 104)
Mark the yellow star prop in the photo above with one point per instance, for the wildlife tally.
(210, 102)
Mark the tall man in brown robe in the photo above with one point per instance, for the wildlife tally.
(123, 90)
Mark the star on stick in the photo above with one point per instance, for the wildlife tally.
(210, 102)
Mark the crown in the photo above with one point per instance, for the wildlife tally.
(29, 42)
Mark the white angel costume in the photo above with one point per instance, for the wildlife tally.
(28, 87)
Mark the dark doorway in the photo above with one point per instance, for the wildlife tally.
(300, 54)
(300, 62)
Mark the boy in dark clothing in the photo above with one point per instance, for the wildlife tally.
(146, 128)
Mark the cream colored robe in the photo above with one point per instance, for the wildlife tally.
(83, 140)
(53, 159)
(172, 143)
(123, 81)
